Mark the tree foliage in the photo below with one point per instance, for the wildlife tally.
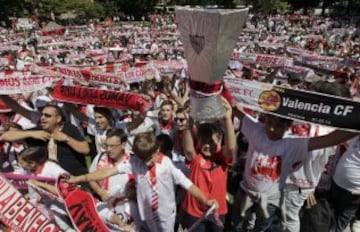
(303, 4)
(136, 7)
(269, 6)
(103, 8)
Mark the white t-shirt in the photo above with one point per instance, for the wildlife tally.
(51, 170)
(115, 185)
(309, 172)
(167, 176)
(268, 162)
(347, 174)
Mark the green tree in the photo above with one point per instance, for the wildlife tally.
(45, 8)
(136, 7)
(304, 4)
(11, 8)
(111, 8)
(269, 6)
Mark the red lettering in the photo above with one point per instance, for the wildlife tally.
(38, 223)
(8, 197)
(26, 216)
(49, 228)
(15, 208)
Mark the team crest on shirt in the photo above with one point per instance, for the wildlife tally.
(267, 166)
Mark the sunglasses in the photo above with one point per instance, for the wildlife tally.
(180, 119)
(46, 115)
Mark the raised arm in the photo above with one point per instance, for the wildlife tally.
(238, 111)
(331, 139)
(230, 139)
(16, 107)
(72, 108)
(188, 142)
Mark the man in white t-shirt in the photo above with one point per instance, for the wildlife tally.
(268, 163)
(305, 176)
(345, 190)
(117, 190)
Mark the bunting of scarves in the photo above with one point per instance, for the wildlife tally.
(296, 104)
(19, 214)
(19, 82)
(107, 98)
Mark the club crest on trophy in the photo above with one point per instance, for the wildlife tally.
(209, 37)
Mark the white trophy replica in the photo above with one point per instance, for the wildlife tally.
(209, 37)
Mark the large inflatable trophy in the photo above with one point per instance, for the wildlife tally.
(209, 37)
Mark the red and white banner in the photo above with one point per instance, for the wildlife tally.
(326, 59)
(72, 72)
(139, 74)
(266, 60)
(19, 214)
(15, 84)
(100, 97)
(299, 51)
(105, 78)
(168, 66)
(109, 67)
(130, 76)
